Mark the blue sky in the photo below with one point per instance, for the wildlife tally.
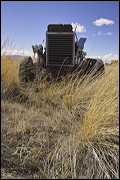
(25, 22)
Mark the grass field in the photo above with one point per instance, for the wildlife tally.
(67, 130)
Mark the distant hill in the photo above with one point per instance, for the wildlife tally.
(16, 56)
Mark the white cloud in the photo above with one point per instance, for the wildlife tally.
(110, 57)
(106, 58)
(108, 33)
(102, 21)
(78, 27)
(99, 33)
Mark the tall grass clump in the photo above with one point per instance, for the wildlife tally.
(88, 147)
(9, 67)
(66, 129)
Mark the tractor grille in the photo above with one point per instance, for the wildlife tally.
(60, 49)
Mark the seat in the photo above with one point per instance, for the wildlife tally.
(81, 43)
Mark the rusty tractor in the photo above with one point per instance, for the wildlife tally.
(63, 54)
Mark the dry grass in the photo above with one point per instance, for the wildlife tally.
(67, 130)
(9, 71)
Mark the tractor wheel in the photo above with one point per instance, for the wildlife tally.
(26, 70)
(100, 68)
(93, 66)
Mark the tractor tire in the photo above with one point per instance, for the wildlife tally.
(100, 68)
(92, 66)
(26, 70)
